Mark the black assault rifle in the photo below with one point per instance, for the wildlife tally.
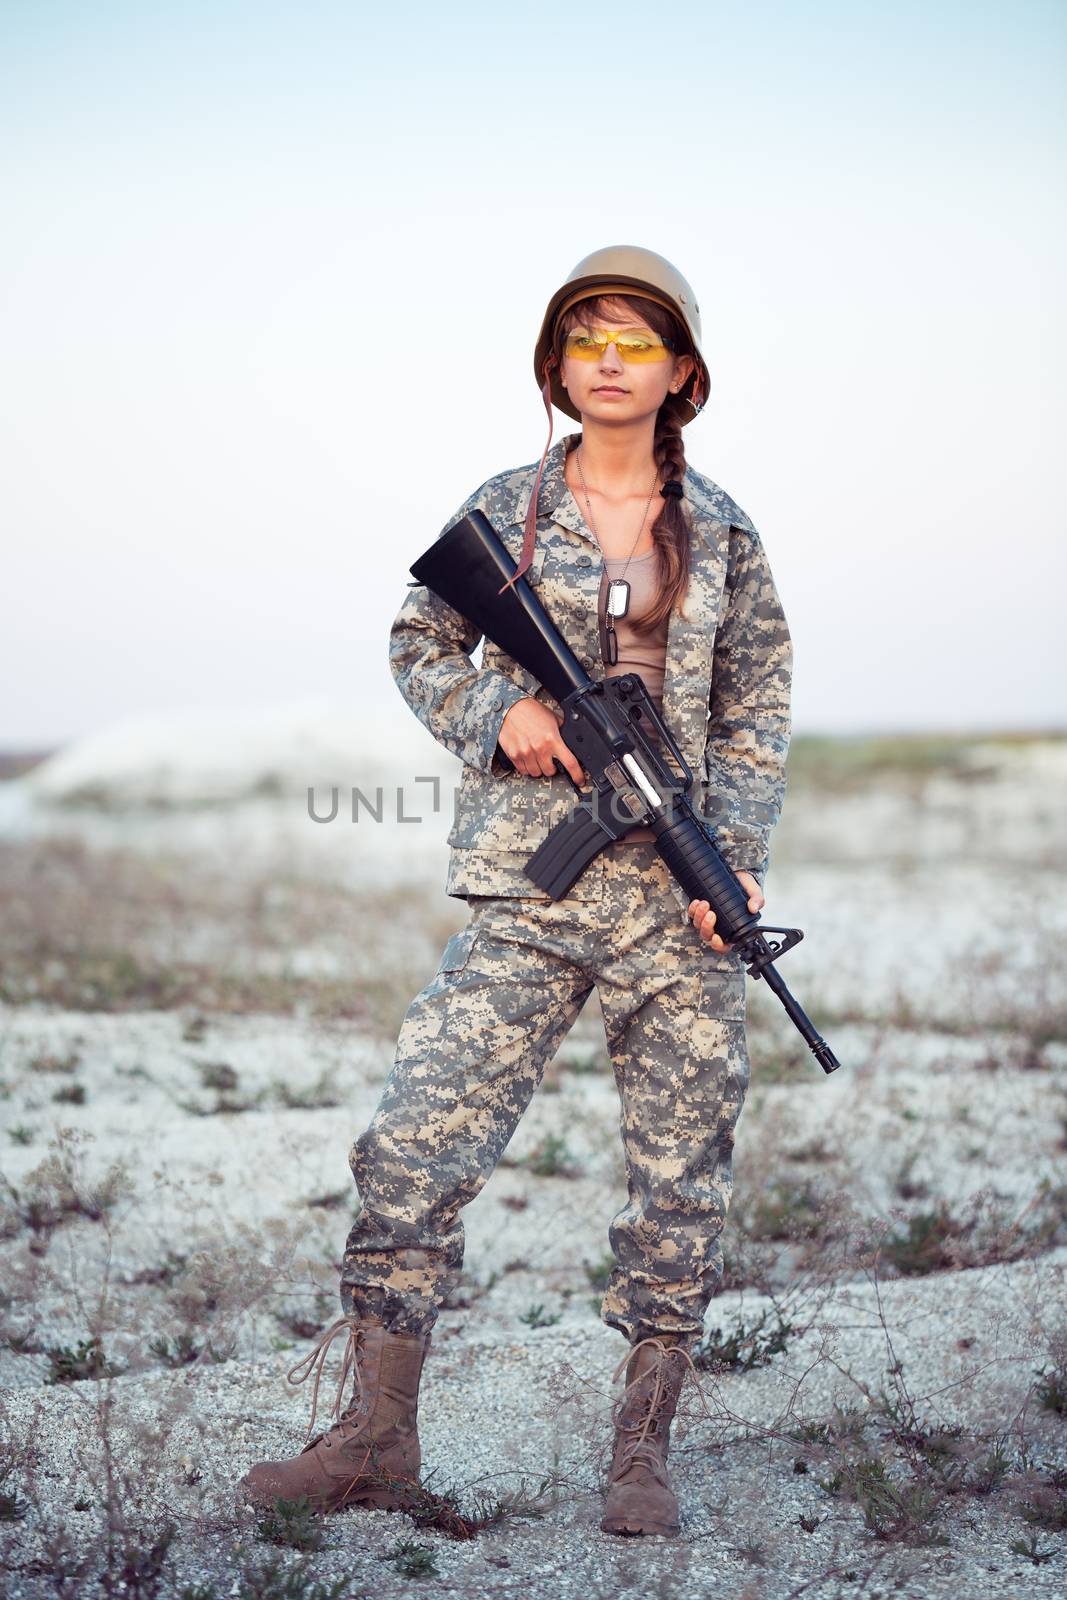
(602, 725)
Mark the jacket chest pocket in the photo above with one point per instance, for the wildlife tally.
(568, 593)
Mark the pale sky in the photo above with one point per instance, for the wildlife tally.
(272, 276)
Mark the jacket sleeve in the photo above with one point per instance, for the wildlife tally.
(749, 713)
(430, 648)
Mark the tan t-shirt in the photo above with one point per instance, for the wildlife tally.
(645, 654)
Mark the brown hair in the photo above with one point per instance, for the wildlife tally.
(671, 528)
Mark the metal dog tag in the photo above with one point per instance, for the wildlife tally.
(618, 598)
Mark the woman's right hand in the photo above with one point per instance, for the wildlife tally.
(529, 737)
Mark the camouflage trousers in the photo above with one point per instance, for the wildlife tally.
(471, 1052)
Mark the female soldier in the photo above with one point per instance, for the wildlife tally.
(693, 609)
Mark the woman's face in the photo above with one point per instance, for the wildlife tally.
(609, 388)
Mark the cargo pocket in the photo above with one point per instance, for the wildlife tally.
(428, 1012)
(721, 1042)
(722, 986)
(457, 951)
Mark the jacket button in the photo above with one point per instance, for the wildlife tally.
(585, 561)
(497, 703)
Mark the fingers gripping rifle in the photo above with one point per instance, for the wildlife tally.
(613, 728)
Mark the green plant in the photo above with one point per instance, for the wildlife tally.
(845, 1423)
(600, 1273)
(752, 1549)
(1040, 1497)
(989, 1472)
(467, 1291)
(139, 1568)
(322, 1093)
(225, 1105)
(12, 1507)
(550, 1158)
(330, 1200)
(1029, 1549)
(905, 1184)
(490, 1510)
(292, 1522)
(925, 1243)
(413, 1560)
(445, 1511)
(305, 1324)
(931, 1447)
(171, 1267)
(21, 1134)
(71, 1094)
(218, 1075)
(892, 1510)
(1051, 1391)
(585, 1062)
(536, 1317)
(816, 1149)
(75, 1364)
(785, 1211)
(743, 1349)
(181, 1353)
(275, 1580)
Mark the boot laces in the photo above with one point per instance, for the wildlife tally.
(315, 1361)
(641, 1439)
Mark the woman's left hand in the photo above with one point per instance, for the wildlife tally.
(703, 918)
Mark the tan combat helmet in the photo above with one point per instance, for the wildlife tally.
(619, 269)
(625, 269)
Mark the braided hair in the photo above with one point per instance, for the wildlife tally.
(671, 529)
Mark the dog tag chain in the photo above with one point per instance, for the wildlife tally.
(618, 597)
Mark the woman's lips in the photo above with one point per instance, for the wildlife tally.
(609, 389)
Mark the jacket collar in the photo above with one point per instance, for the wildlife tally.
(555, 499)
(711, 510)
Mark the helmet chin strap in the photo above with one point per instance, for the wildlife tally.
(529, 537)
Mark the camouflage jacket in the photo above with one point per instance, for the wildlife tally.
(725, 694)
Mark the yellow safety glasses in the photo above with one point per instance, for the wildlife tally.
(633, 344)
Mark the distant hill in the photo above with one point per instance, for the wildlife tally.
(190, 757)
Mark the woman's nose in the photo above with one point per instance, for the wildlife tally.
(611, 359)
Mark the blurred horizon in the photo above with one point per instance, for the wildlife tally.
(898, 747)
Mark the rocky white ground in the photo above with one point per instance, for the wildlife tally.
(202, 988)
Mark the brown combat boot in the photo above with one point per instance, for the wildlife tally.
(370, 1455)
(640, 1498)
